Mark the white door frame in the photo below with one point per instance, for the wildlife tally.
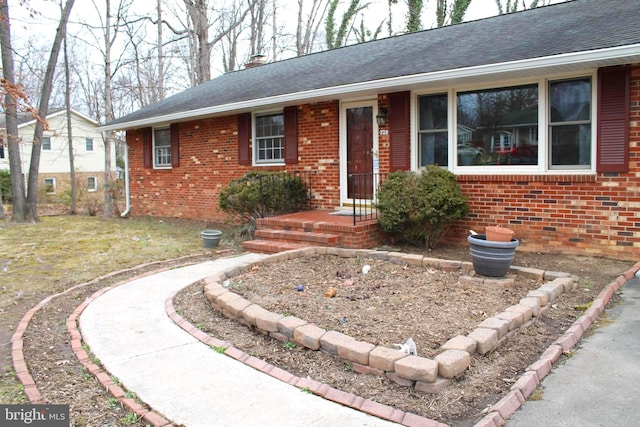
(344, 200)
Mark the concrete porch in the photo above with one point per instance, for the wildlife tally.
(314, 228)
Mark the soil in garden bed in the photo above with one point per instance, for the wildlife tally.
(388, 304)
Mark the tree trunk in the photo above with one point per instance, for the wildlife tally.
(108, 106)
(43, 108)
(11, 113)
(160, 54)
(72, 166)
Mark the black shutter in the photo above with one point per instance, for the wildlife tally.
(613, 119)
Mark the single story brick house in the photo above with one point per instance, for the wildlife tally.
(537, 113)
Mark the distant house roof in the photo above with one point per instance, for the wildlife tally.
(25, 119)
(567, 36)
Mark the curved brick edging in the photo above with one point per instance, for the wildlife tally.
(323, 390)
(535, 373)
(422, 374)
(17, 342)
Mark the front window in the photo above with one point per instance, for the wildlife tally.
(46, 143)
(89, 144)
(433, 134)
(541, 126)
(498, 126)
(92, 183)
(269, 138)
(570, 123)
(162, 148)
(49, 185)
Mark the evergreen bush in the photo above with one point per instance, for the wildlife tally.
(244, 200)
(419, 208)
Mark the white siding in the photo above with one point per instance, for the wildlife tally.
(57, 160)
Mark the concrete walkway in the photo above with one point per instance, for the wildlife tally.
(128, 329)
(600, 384)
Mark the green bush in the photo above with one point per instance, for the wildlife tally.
(5, 186)
(419, 208)
(281, 193)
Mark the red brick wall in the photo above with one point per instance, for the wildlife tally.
(208, 161)
(592, 215)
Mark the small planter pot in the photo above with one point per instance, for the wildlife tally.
(499, 234)
(211, 238)
(491, 259)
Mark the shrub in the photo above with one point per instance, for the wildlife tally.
(244, 199)
(5, 186)
(419, 208)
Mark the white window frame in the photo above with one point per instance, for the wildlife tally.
(88, 141)
(50, 138)
(256, 140)
(544, 163)
(95, 184)
(53, 185)
(155, 150)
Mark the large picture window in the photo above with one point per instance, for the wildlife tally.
(162, 148)
(498, 126)
(506, 127)
(269, 141)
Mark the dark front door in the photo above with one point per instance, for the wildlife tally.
(360, 152)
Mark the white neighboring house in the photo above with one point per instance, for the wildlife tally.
(54, 177)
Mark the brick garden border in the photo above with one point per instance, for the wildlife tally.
(17, 342)
(496, 416)
(423, 374)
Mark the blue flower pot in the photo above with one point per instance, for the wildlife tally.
(211, 238)
(489, 258)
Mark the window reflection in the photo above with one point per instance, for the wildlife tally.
(498, 126)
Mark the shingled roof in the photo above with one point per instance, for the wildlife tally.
(560, 37)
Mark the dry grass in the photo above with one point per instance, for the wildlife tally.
(38, 260)
(60, 251)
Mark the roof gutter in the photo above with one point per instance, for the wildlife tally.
(585, 58)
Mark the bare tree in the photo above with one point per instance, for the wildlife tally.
(309, 24)
(160, 52)
(202, 19)
(338, 37)
(450, 12)
(414, 22)
(12, 95)
(43, 108)
(72, 167)
(510, 6)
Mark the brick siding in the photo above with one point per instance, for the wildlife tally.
(591, 215)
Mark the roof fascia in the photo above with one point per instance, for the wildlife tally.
(57, 113)
(586, 58)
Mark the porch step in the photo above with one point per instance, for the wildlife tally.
(270, 246)
(316, 239)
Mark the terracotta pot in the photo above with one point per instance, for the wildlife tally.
(499, 234)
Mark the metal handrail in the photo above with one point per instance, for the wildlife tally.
(362, 190)
(280, 192)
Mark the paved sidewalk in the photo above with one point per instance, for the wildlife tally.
(600, 384)
(128, 329)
